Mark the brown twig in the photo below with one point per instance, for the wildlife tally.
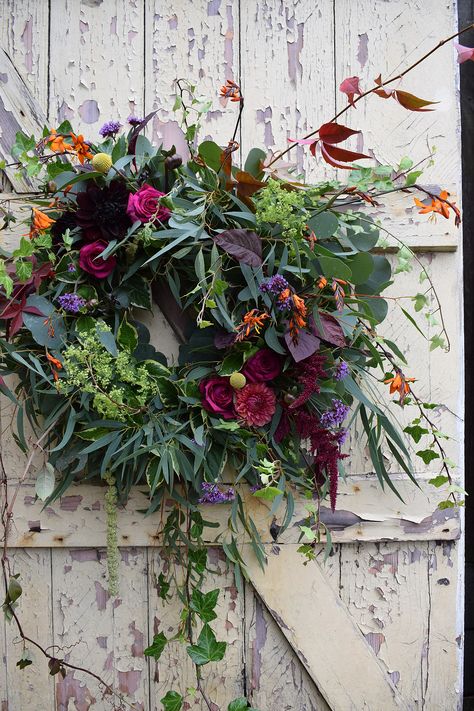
(376, 88)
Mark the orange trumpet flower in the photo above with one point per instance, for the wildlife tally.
(40, 223)
(81, 148)
(399, 384)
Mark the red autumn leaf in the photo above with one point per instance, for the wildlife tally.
(338, 156)
(412, 102)
(464, 53)
(332, 331)
(335, 132)
(350, 87)
(13, 311)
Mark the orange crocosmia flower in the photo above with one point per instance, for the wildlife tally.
(55, 366)
(252, 321)
(322, 282)
(81, 148)
(57, 143)
(399, 384)
(40, 223)
(231, 90)
(437, 206)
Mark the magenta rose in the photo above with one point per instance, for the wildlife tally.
(144, 206)
(263, 366)
(217, 396)
(90, 262)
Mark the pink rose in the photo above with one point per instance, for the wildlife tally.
(90, 262)
(263, 366)
(217, 396)
(144, 206)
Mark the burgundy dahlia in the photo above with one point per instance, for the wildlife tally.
(255, 404)
(102, 212)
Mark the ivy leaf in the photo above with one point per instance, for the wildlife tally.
(438, 481)
(412, 178)
(204, 603)
(240, 704)
(448, 504)
(244, 245)
(25, 660)
(427, 455)
(437, 342)
(207, 648)
(156, 648)
(416, 432)
(127, 336)
(172, 701)
(421, 300)
(268, 493)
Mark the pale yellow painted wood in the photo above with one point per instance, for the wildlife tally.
(287, 68)
(222, 681)
(96, 71)
(200, 44)
(311, 615)
(97, 631)
(34, 609)
(385, 588)
(444, 652)
(364, 513)
(24, 35)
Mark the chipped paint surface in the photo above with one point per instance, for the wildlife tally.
(392, 584)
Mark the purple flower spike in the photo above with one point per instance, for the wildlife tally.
(110, 129)
(335, 417)
(342, 371)
(213, 495)
(275, 285)
(134, 120)
(71, 302)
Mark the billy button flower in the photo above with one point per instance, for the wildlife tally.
(399, 384)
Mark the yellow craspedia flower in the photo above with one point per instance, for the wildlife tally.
(102, 162)
(238, 381)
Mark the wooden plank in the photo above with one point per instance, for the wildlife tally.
(24, 35)
(287, 73)
(201, 44)
(364, 513)
(26, 686)
(222, 681)
(273, 670)
(310, 613)
(385, 588)
(19, 111)
(97, 62)
(444, 650)
(98, 632)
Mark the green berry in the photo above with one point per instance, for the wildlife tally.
(238, 381)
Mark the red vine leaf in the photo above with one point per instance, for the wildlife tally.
(412, 102)
(464, 53)
(244, 245)
(337, 157)
(350, 87)
(335, 132)
(332, 331)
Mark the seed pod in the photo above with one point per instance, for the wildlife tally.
(238, 381)
(173, 162)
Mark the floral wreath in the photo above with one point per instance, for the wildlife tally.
(275, 292)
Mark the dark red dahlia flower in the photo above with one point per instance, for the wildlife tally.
(102, 212)
(255, 404)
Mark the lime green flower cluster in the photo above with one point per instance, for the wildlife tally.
(275, 205)
(121, 387)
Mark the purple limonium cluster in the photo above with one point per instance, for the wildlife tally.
(110, 129)
(274, 285)
(342, 370)
(71, 302)
(335, 417)
(211, 494)
(134, 120)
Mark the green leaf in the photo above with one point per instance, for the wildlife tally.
(172, 701)
(207, 648)
(421, 300)
(333, 267)
(204, 603)
(438, 481)
(211, 153)
(14, 589)
(7, 283)
(268, 493)
(448, 504)
(156, 648)
(127, 336)
(412, 177)
(108, 341)
(437, 342)
(324, 224)
(427, 455)
(45, 482)
(253, 162)
(25, 249)
(416, 432)
(405, 164)
(25, 660)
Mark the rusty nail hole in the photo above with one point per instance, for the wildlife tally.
(356, 488)
(443, 581)
(60, 539)
(125, 538)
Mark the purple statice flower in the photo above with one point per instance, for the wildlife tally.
(342, 370)
(335, 417)
(71, 302)
(134, 120)
(110, 128)
(71, 268)
(341, 436)
(211, 494)
(275, 285)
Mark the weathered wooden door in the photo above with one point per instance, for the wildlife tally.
(377, 627)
